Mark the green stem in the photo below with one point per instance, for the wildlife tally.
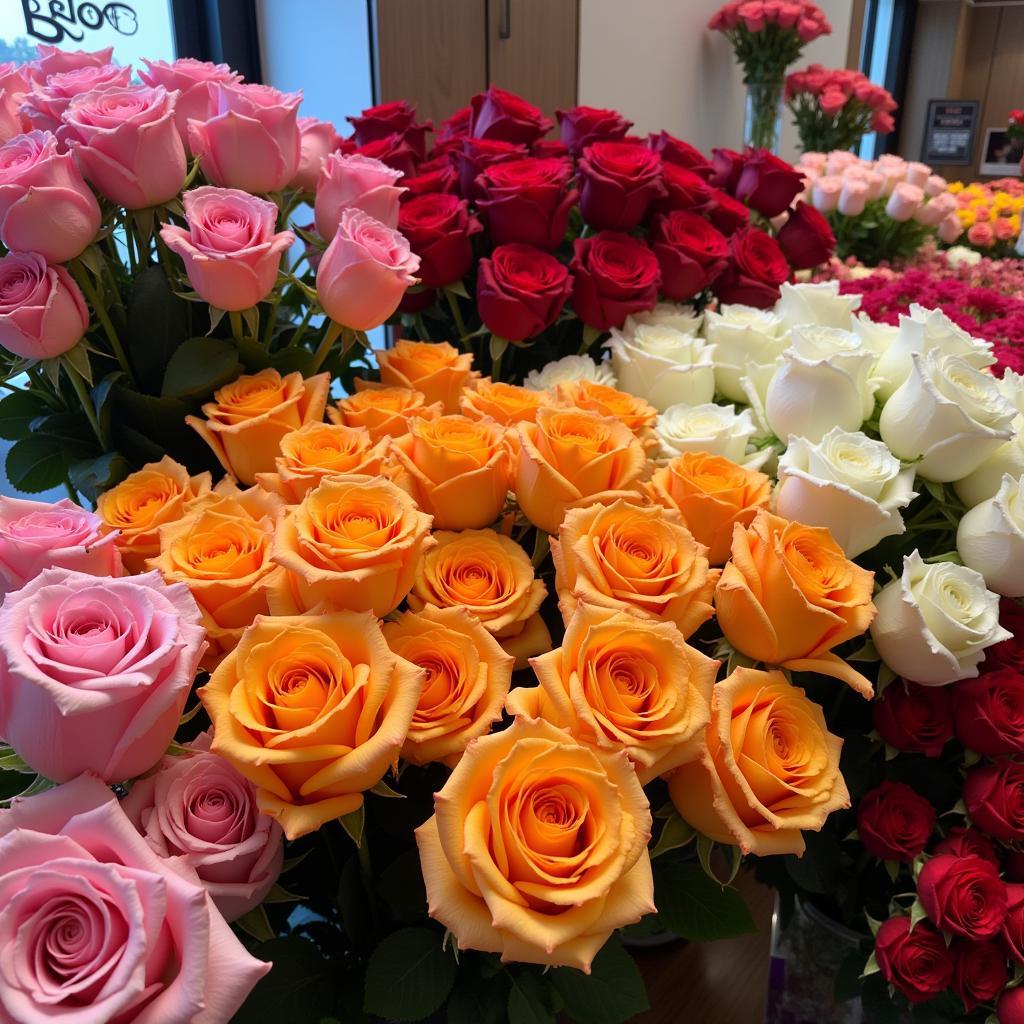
(301, 330)
(87, 407)
(129, 244)
(453, 305)
(421, 327)
(69, 487)
(268, 327)
(237, 326)
(366, 870)
(496, 367)
(81, 275)
(334, 331)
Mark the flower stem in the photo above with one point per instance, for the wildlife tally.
(87, 407)
(81, 275)
(237, 327)
(334, 331)
(453, 305)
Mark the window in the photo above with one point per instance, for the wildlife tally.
(884, 58)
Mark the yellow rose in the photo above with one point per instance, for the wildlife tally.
(634, 412)
(770, 768)
(384, 412)
(571, 458)
(492, 577)
(635, 558)
(467, 680)
(506, 404)
(623, 683)
(247, 418)
(353, 542)
(140, 504)
(313, 710)
(433, 367)
(538, 847)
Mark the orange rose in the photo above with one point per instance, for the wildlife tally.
(313, 710)
(246, 420)
(570, 459)
(790, 594)
(769, 770)
(538, 847)
(140, 504)
(634, 558)
(460, 469)
(385, 412)
(623, 683)
(711, 494)
(433, 367)
(353, 542)
(634, 412)
(468, 676)
(492, 577)
(506, 404)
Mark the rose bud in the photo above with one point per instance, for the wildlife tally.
(979, 972)
(503, 116)
(439, 228)
(768, 184)
(520, 291)
(355, 181)
(963, 895)
(476, 155)
(727, 166)
(994, 796)
(962, 841)
(580, 126)
(726, 213)
(614, 275)
(1009, 653)
(989, 712)
(755, 272)
(386, 119)
(619, 181)
(894, 823)
(806, 238)
(914, 719)
(395, 151)
(914, 961)
(682, 154)
(42, 312)
(191, 79)
(440, 178)
(318, 140)
(690, 252)
(685, 190)
(527, 201)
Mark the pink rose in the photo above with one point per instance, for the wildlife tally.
(950, 229)
(935, 185)
(44, 106)
(42, 312)
(364, 272)
(752, 15)
(355, 181)
(936, 210)
(95, 927)
(11, 123)
(904, 201)
(126, 143)
(981, 234)
(94, 673)
(15, 78)
(45, 205)
(825, 193)
(252, 139)
(230, 249)
(918, 174)
(853, 197)
(38, 535)
(199, 808)
(832, 101)
(52, 60)
(191, 78)
(839, 160)
(1004, 229)
(876, 184)
(318, 139)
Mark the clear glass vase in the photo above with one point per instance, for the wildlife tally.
(762, 119)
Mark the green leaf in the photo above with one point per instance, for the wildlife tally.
(476, 1001)
(279, 894)
(696, 907)
(353, 823)
(301, 982)
(158, 322)
(529, 1000)
(70, 431)
(381, 788)
(612, 993)
(199, 366)
(256, 924)
(409, 975)
(401, 885)
(91, 477)
(76, 360)
(35, 464)
(674, 833)
(497, 346)
(17, 411)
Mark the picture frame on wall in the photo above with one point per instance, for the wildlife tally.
(1001, 156)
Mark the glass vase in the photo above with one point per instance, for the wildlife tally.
(762, 119)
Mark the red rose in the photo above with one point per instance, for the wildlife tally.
(979, 972)
(440, 178)
(619, 181)
(681, 154)
(581, 126)
(768, 184)
(994, 795)
(915, 962)
(756, 270)
(614, 275)
(806, 238)
(396, 118)
(726, 213)
(527, 201)
(506, 117)
(894, 823)
(1010, 1008)
(913, 718)
(968, 842)
(685, 190)
(1013, 927)
(690, 252)
(963, 895)
(520, 291)
(989, 712)
(1009, 653)
(456, 126)
(439, 227)
(395, 151)
(727, 166)
(548, 148)
(476, 155)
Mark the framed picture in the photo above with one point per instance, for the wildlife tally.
(949, 132)
(1001, 155)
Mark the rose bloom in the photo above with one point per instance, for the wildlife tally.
(506, 404)
(968, 842)
(313, 710)
(1010, 1006)
(534, 789)
(468, 676)
(894, 823)
(572, 458)
(98, 927)
(916, 961)
(440, 229)
(914, 719)
(568, 370)
(633, 558)
(619, 181)
(806, 238)
(191, 79)
(492, 577)
(757, 269)
(247, 418)
(614, 275)
(354, 180)
(37, 535)
(395, 150)
(52, 60)
(436, 369)
(44, 106)
(501, 115)
(1012, 932)
(689, 191)
(789, 595)
(384, 411)
(681, 154)
(990, 538)
(460, 469)
(520, 291)
(633, 411)
(712, 495)
(767, 184)
(94, 673)
(580, 126)
(979, 974)
(770, 767)
(988, 712)
(472, 156)
(708, 428)
(963, 895)
(619, 682)
(994, 796)
(691, 253)
(199, 808)
(318, 139)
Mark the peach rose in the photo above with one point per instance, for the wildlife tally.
(385, 412)
(789, 595)
(313, 710)
(468, 676)
(571, 458)
(623, 683)
(433, 367)
(144, 501)
(460, 469)
(637, 414)
(247, 418)
(770, 768)
(711, 494)
(506, 404)
(633, 558)
(353, 542)
(538, 847)
(492, 577)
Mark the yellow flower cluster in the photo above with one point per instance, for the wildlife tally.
(990, 203)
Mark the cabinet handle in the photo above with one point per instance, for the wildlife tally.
(505, 26)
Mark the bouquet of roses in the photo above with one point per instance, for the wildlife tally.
(990, 213)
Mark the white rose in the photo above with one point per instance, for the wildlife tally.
(935, 621)
(816, 304)
(847, 482)
(922, 331)
(742, 335)
(569, 369)
(948, 414)
(663, 365)
(875, 336)
(963, 256)
(990, 538)
(1007, 459)
(716, 429)
(666, 314)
